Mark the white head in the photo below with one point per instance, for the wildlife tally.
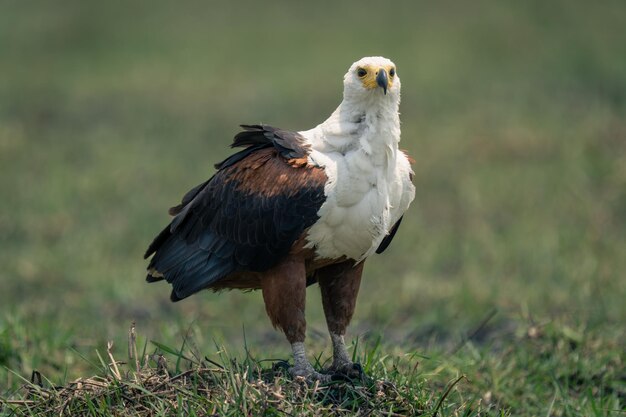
(372, 78)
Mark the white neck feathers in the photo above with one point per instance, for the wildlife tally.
(369, 126)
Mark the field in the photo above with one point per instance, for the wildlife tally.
(507, 272)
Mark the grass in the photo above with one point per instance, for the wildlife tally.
(562, 370)
(197, 386)
(514, 113)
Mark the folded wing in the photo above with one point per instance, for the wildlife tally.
(245, 218)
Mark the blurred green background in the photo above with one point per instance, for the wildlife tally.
(515, 113)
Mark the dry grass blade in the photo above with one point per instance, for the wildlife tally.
(132, 346)
(113, 364)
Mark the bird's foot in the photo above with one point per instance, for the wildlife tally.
(348, 369)
(308, 373)
(302, 368)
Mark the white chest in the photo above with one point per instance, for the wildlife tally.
(366, 194)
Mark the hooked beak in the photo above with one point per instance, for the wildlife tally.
(382, 80)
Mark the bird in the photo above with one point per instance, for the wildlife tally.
(290, 209)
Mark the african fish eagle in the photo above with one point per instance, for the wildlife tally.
(296, 208)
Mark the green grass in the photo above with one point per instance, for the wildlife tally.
(514, 113)
(555, 368)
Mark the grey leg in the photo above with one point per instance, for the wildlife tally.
(302, 367)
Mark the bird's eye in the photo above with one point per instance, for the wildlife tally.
(392, 72)
(361, 72)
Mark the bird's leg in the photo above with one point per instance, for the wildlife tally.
(301, 365)
(284, 293)
(339, 285)
(341, 359)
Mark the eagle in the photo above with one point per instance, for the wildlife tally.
(294, 208)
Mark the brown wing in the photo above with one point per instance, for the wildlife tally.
(245, 218)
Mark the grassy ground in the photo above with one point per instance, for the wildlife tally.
(514, 113)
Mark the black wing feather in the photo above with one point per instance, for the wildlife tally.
(387, 240)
